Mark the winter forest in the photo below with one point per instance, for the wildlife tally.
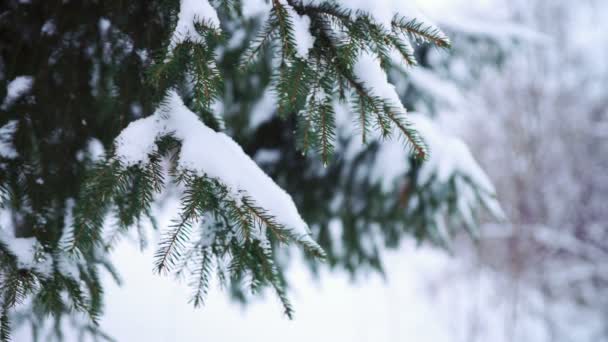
(304, 170)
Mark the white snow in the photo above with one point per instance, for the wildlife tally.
(192, 11)
(390, 164)
(237, 39)
(95, 149)
(49, 28)
(449, 155)
(137, 140)
(15, 89)
(301, 28)
(208, 153)
(263, 110)
(104, 25)
(25, 250)
(368, 70)
(267, 156)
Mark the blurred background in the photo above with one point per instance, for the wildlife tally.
(526, 87)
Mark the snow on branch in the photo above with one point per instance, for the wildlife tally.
(301, 29)
(452, 156)
(190, 13)
(208, 154)
(16, 88)
(226, 197)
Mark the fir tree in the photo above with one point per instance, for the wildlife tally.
(107, 105)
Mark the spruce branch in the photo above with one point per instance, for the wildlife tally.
(208, 81)
(255, 48)
(202, 277)
(412, 138)
(174, 241)
(420, 32)
(263, 253)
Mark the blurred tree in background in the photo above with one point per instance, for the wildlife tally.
(538, 126)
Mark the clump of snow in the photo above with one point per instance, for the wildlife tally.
(6, 132)
(67, 234)
(336, 232)
(392, 164)
(494, 28)
(192, 11)
(391, 161)
(450, 156)
(17, 88)
(237, 39)
(25, 250)
(138, 140)
(94, 150)
(68, 266)
(49, 28)
(267, 156)
(208, 153)
(135, 107)
(301, 28)
(379, 10)
(368, 70)
(22, 248)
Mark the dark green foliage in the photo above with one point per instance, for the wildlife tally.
(86, 83)
(340, 37)
(419, 32)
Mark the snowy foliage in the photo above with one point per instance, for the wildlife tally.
(190, 13)
(200, 77)
(207, 153)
